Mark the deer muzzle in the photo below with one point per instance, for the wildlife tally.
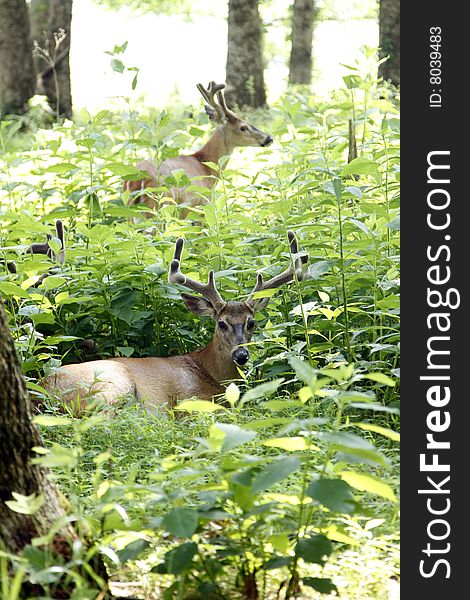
(268, 141)
(240, 356)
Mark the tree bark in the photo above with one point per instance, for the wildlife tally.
(48, 18)
(389, 40)
(245, 67)
(300, 64)
(16, 64)
(18, 435)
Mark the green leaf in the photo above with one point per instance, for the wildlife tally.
(376, 406)
(277, 562)
(199, 406)
(352, 81)
(362, 166)
(379, 378)
(53, 281)
(335, 494)
(117, 65)
(50, 420)
(133, 550)
(360, 455)
(11, 289)
(324, 586)
(121, 169)
(319, 268)
(120, 49)
(346, 440)
(181, 522)
(232, 394)
(283, 404)
(313, 549)
(368, 483)
(180, 558)
(233, 435)
(394, 224)
(274, 472)
(58, 456)
(303, 370)
(25, 505)
(291, 444)
(61, 168)
(261, 391)
(389, 433)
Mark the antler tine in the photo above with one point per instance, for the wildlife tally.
(208, 95)
(286, 276)
(223, 103)
(208, 290)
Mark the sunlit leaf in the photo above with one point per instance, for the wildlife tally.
(368, 483)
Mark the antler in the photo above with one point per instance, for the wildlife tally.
(286, 276)
(44, 248)
(231, 116)
(220, 109)
(208, 290)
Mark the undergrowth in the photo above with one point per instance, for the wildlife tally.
(292, 491)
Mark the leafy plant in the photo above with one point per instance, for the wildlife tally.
(292, 489)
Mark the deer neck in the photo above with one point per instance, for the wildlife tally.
(217, 146)
(216, 361)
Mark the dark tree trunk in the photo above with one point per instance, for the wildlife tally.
(18, 435)
(300, 65)
(17, 474)
(389, 40)
(16, 64)
(51, 22)
(245, 67)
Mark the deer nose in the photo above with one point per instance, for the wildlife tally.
(269, 140)
(240, 356)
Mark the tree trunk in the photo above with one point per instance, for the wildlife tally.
(389, 40)
(49, 19)
(18, 435)
(16, 63)
(245, 68)
(300, 65)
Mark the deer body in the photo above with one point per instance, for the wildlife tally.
(159, 382)
(231, 132)
(156, 382)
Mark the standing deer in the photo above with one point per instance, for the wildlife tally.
(161, 382)
(231, 132)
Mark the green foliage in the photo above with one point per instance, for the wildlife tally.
(294, 486)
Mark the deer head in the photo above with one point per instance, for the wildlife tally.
(241, 132)
(234, 320)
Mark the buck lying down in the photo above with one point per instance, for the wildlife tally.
(163, 382)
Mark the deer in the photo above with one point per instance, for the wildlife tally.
(162, 382)
(231, 132)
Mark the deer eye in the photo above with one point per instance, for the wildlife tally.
(251, 323)
(244, 128)
(223, 325)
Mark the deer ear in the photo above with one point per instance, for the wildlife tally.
(198, 305)
(210, 112)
